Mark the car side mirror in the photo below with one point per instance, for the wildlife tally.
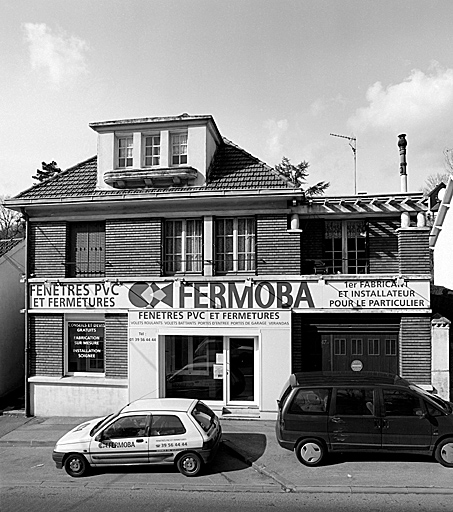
(420, 414)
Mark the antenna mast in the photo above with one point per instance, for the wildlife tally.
(353, 144)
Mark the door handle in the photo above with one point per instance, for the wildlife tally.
(336, 420)
(139, 440)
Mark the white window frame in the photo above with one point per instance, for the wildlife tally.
(181, 155)
(183, 254)
(129, 155)
(250, 263)
(152, 156)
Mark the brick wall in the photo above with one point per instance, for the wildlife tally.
(415, 348)
(47, 249)
(46, 350)
(116, 356)
(413, 248)
(383, 246)
(133, 247)
(277, 251)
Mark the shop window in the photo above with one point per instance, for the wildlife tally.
(179, 148)
(339, 345)
(345, 247)
(183, 246)
(86, 249)
(192, 367)
(373, 346)
(85, 353)
(356, 347)
(235, 245)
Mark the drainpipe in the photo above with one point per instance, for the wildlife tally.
(26, 354)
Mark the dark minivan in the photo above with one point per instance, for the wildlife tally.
(322, 412)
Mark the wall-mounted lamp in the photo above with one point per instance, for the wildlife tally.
(294, 224)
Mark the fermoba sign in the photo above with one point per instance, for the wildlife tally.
(359, 294)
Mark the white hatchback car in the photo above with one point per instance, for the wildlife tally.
(179, 431)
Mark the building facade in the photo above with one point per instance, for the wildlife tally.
(176, 264)
(12, 268)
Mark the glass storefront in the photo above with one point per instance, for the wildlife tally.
(210, 368)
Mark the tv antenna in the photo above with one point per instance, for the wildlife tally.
(353, 144)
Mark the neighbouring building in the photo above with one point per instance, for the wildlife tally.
(174, 264)
(12, 333)
(441, 243)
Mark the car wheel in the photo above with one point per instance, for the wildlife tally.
(444, 452)
(310, 452)
(189, 464)
(76, 465)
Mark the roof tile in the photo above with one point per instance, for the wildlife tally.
(232, 169)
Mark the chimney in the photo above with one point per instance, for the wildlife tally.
(402, 144)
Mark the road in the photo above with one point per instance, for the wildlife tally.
(35, 467)
(78, 498)
(30, 481)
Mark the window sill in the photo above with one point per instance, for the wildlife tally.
(148, 177)
(76, 380)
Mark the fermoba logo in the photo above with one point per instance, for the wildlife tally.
(230, 295)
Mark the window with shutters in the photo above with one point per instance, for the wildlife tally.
(86, 250)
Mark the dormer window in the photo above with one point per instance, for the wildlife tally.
(152, 150)
(125, 146)
(179, 148)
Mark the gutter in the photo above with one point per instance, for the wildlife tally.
(26, 301)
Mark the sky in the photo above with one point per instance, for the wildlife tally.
(278, 77)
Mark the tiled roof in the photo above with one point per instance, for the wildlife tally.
(79, 180)
(232, 169)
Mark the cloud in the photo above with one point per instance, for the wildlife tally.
(419, 100)
(320, 105)
(60, 55)
(277, 131)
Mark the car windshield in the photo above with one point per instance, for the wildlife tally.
(445, 406)
(101, 423)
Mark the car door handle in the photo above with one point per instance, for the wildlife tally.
(139, 441)
(336, 420)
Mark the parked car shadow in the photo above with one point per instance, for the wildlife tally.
(248, 445)
(225, 461)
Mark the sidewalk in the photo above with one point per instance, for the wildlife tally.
(253, 441)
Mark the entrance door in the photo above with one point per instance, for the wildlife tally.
(240, 370)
